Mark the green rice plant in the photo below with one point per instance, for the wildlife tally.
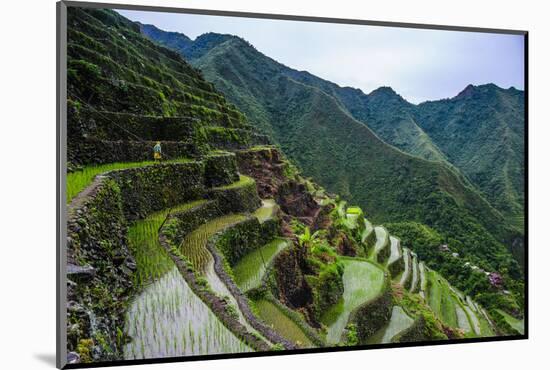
(193, 246)
(80, 179)
(167, 319)
(152, 261)
(250, 270)
(282, 324)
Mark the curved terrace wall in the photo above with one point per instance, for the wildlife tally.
(103, 125)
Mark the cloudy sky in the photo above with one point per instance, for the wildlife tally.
(418, 64)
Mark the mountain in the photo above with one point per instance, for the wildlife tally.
(317, 131)
(481, 131)
(383, 110)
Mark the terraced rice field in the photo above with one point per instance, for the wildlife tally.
(395, 250)
(407, 271)
(352, 215)
(282, 324)
(368, 229)
(250, 270)
(399, 321)
(518, 325)
(193, 245)
(487, 327)
(462, 319)
(423, 279)
(415, 275)
(79, 180)
(151, 259)
(167, 319)
(363, 281)
(474, 320)
(381, 239)
(442, 299)
(267, 211)
(194, 248)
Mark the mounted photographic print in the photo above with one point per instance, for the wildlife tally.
(235, 184)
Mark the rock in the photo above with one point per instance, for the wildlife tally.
(73, 358)
(80, 274)
(130, 264)
(118, 257)
(71, 288)
(126, 271)
(72, 306)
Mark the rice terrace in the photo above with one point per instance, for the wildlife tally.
(220, 202)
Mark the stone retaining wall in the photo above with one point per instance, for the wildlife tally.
(93, 151)
(153, 188)
(83, 122)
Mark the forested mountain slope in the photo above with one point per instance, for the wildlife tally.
(344, 155)
(482, 131)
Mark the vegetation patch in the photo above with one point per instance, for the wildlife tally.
(168, 320)
(193, 246)
(516, 324)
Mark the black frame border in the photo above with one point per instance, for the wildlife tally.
(61, 145)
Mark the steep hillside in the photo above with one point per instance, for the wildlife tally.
(315, 130)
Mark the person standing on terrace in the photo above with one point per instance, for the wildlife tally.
(157, 152)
